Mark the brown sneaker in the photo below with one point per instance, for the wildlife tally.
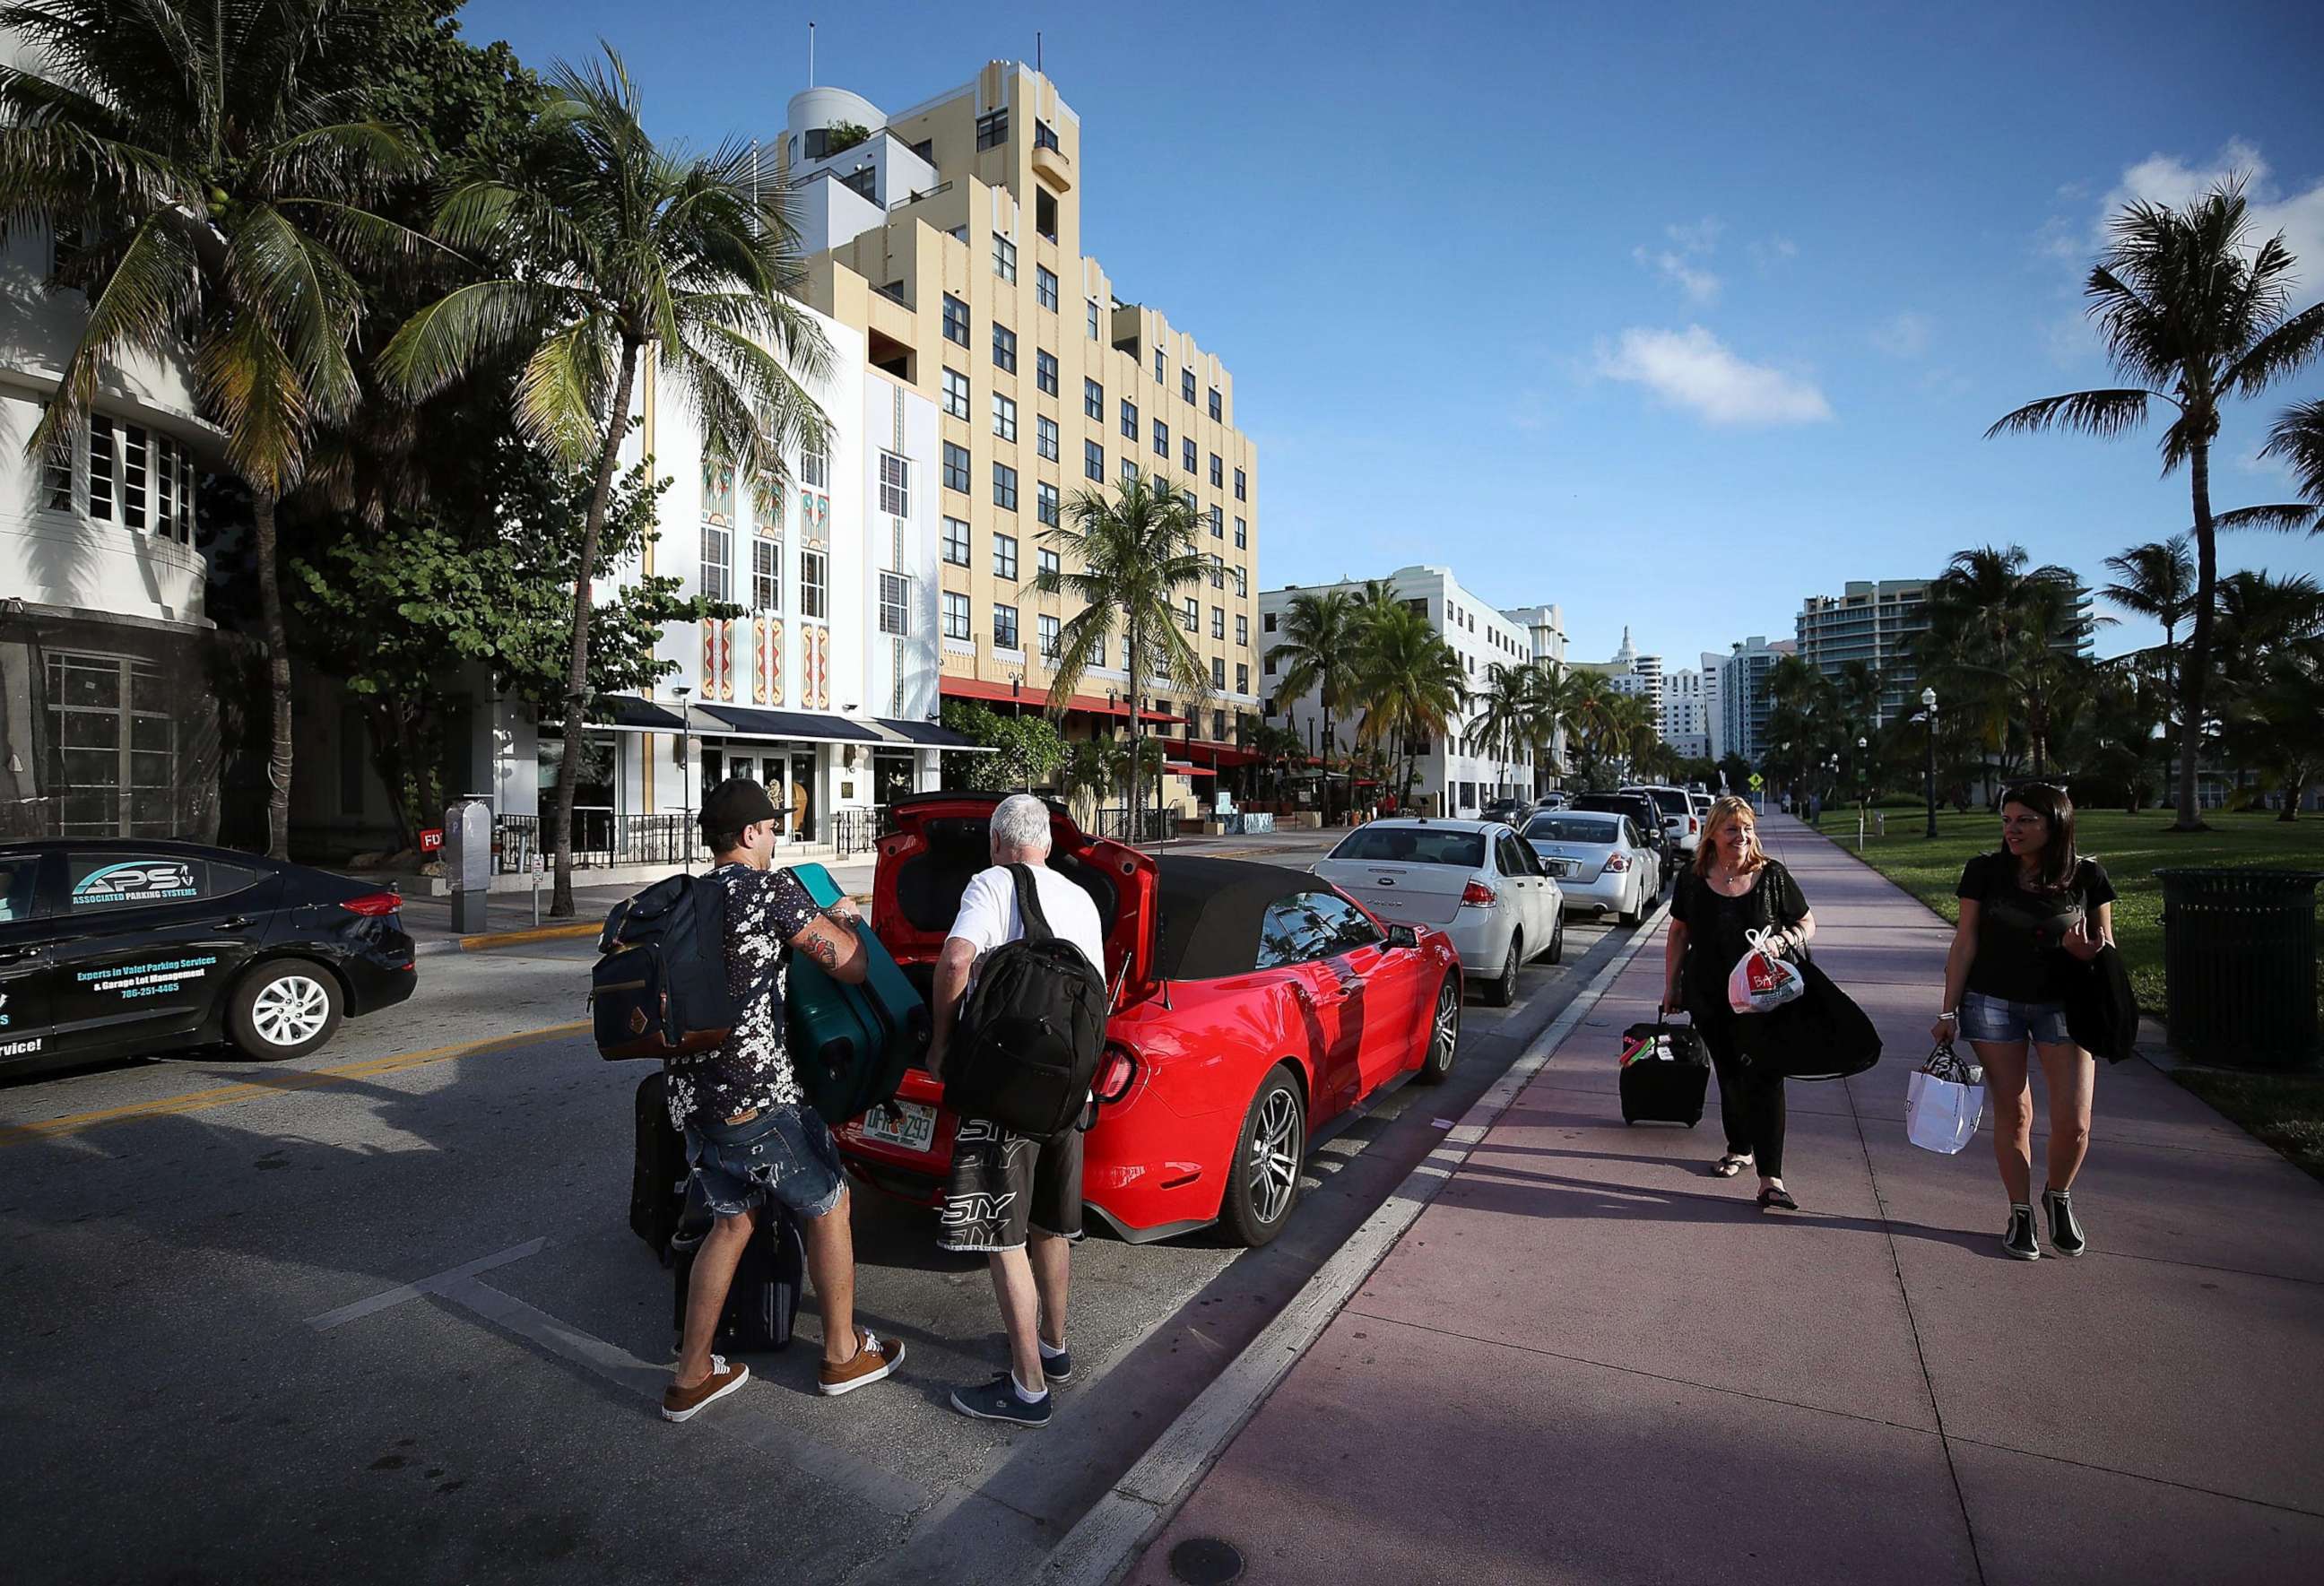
(874, 1358)
(683, 1404)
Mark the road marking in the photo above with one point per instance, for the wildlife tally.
(412, 1291)
(1107, 1540)
(479, 944)
(294, 1079)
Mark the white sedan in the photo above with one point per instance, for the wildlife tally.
(1599, 859)
(1476, 881)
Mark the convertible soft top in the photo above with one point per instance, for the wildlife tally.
(1211, 911)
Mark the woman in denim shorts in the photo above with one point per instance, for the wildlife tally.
(2028, 911)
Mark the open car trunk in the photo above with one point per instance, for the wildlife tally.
(941, 841)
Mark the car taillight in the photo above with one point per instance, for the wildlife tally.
(1692, 825)
(1616, 862)
(1114, 1073)
(1477, 894)
(372, 904)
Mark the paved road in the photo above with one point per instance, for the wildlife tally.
(378, 1312)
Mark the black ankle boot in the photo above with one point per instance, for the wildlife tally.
(2065, 1233)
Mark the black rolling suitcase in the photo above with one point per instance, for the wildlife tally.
(658, 1176)
(1664, 1073)
(763, 1301)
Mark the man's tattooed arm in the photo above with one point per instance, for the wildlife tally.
(821, 948)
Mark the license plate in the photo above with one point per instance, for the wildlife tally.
(1561, 867)
(910, 1124)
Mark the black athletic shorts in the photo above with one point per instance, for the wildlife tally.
(1003, 1183)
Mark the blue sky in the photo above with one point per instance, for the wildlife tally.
(1671, 319)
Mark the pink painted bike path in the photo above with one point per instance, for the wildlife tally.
(1588, 1361)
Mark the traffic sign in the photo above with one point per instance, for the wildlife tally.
(1755, 783)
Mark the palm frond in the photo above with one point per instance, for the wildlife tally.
(2285, 350)
(276, 269)
(2282, 518)
(144, 304)
(2297, 437)
(248, 378)
(563, 390)
(2102, 413)
(442, 341)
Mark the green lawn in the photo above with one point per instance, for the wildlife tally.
(2131, 847)
(2285, 1111)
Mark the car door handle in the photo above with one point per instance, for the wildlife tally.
(17, 954)
(236, 922)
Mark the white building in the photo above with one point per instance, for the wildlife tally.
(110, 670)
(1714, 718)
(1451, 780)
(1683, 725)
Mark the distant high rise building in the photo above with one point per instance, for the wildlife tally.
(1877, 624)
(1714, 724)
(1743, 695)
(1683, 725)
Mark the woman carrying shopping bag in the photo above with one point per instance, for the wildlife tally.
(1733, 896)
(2032, 914)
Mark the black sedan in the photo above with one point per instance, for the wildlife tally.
(113, 947)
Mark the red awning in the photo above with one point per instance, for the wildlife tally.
(1206, 752)
(1180, 769)
(1038, 699)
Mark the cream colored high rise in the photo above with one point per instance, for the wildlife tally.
(951, 234)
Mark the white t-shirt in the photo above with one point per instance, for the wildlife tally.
(988, 914)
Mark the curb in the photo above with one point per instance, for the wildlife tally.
(488, 940)
(1107, 1540)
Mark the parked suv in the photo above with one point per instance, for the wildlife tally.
(1678, 821)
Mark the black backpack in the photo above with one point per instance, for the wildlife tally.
(1033, 1031)
(658, 989)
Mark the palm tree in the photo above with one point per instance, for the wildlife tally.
(1092, 766)
(2193, 314)
(1631, 727)
(603, 250)
(1413, 689)
(2156, 580)
(221, 189)
(2298, 437)
(1132, 555)
(2006, 637)
(1318, 655)
(1555, 693)
(2270, 678)
(1505, 721)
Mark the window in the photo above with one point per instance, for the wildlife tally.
(1093, 461)
(1004, 348)
(1242, 627)
(57, 478)
(955, 320)
(1128, 418)
(894, 485)
(955, 615)
(1305, 928)
(1045, 213)
(1050, 630)
(1093, 401)
(112, 747)
(1004, 486)
(1045, 371)
(1093, 320)
(1242, 535)
(1161, 367)
(1044, 287)
(1004, 557)
(1161, 440)
(102, 463)
(766, 573)
(1004, 627)
(815, 463)
(1045, 499)
(992, 128)
(1129, 467)
(895, 604)
(812, 568)
(927, 150)
(1218, 522)
(1046, 561)
(1218, 580)
(1191, 618)
(1241, 493)
(1269, 663)
(956, 541)
(1186, 454)
(1268, 621)
(1218, 406)
(955, 393)
(1044, 136)
(955, 468)
(864, 183)
(717, 563)
(1185, 385)
(1004, 416)
(1243, 674)
(1242, 584)
(1219, 629)
(1218, 472)
(136, 454)
(1004, 257)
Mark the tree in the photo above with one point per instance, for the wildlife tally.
(1412, 687)
(219, 180)
(2271, 680)
(2156, 580)
(1088, 771)
(2003, 640)
(1131, 554)
(2298, 437)
(2193, 314)
(1555, 693)
(600, 250)
(1027, 749)
(1317, 656)
(1504, 725)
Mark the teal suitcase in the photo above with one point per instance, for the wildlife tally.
(850, 1044)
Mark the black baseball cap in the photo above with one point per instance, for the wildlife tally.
(734, 804)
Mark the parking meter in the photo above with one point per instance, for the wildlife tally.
(469, 861)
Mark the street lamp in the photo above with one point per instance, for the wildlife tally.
(1929, 710)
(686, 773)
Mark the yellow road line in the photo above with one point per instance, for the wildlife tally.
(274, 1084)
(478, 944)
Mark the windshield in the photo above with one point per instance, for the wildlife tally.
(1669, 800)
(1571, 828)
(1414, 846)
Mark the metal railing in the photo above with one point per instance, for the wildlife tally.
(855, 830)
(601, 839)
(1156, 824)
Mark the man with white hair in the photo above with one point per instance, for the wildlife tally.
(1004, 1188)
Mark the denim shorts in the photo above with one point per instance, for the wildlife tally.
(785, 1150)
(1991, 1019)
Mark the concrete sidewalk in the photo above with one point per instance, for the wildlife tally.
(1588, 1361)
(509, 922)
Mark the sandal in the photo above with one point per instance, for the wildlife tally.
(1778, 1200)
(1728, 1166)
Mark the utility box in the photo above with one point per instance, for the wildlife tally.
(469, 861)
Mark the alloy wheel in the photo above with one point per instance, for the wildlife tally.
(1275, 1156)
(1446, 1037)
(289, 1009)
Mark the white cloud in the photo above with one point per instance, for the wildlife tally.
(1691, 369)
(2298, 215)
(1902, 335)
(1680, 263)
(1770, 251)
(1702, 237)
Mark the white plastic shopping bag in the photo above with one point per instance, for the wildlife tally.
(1761, 981)
(1943, 1102)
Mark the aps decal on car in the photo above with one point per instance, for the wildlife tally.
(138, 880)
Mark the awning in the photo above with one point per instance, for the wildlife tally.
(798, 726)
(1038, 699)
(1180, 769)
(626, 713)
(928, 734)
(1206, 752)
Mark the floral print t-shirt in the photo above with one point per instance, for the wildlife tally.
(765, 908)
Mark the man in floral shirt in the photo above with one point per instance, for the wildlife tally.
(747, 1135)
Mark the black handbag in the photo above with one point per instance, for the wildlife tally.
(2101, 1010)
(1820, 1034)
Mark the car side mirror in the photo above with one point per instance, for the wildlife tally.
(1403, 936)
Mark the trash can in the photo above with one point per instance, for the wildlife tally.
(2239, 964)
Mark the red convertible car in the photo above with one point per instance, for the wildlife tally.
(1251, 1004)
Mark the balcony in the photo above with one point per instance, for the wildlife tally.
(1052, 166)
